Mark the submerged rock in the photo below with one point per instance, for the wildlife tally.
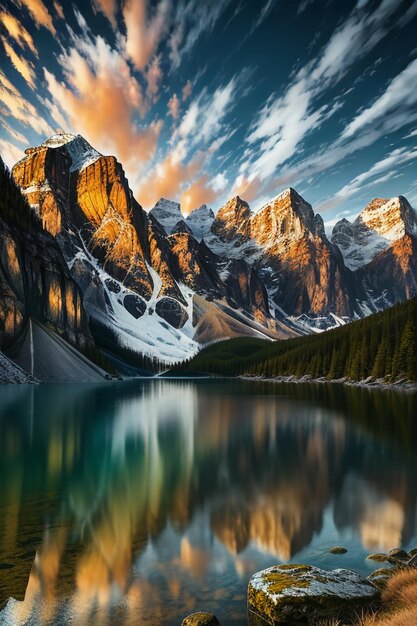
(337, 550)
(201, 619)
(303, 593)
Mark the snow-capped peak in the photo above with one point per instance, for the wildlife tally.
(200, 221)
(167, 213)
(80, 151)
(382, 222)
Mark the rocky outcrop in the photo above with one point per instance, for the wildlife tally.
(35, 282)
(302, 593)
(232, 221)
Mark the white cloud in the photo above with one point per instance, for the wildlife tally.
(220, 182)
(399, 99)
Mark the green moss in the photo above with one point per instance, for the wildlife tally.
(278, 582)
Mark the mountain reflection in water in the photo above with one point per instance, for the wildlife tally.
(138, 503)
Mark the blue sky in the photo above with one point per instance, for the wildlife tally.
(202, 100)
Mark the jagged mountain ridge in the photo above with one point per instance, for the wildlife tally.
(138, 277)
(162, 283)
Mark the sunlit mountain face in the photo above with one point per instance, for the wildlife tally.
(126, 504)
(204, 101)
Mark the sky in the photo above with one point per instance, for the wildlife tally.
(202, 100)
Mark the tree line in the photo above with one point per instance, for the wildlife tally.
(383, 345)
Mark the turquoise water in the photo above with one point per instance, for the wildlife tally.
(138, 503)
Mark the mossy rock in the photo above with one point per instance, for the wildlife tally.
(399, 554)
(305, 593)
(382, 571)
(379, 557)
(337, 550)
(200, 619)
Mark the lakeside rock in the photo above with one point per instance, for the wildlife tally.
(200, 619)
(303, 593)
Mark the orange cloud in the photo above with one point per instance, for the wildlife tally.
(247, 189)
(198, 193)
(153, 78)
(108, 8)
(174, 106)
(101, 99)
(59, 10)
(186, 92)
(24, 67)
(178, 181)
(17, 32)
(39, 13)
(142, 34)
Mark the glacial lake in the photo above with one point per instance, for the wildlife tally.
(139, 503)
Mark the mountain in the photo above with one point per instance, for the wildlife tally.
(162, 284)
(200, 221)
(138, 273)
(380, 246)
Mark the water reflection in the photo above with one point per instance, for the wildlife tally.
(139, 503)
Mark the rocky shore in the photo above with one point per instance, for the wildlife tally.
(303, 594)
(402, 384)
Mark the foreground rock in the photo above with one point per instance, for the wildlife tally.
(302, 593)
(201, 619)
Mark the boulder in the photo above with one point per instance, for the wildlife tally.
(201, 619)
(303, 593)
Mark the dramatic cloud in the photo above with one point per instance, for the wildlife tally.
(187, 89)
(39, 13)
(174, 106)
(17, 32)
(59, 10)
(23, 66)
(192, 18)
(284, 122)
(14, 106)
(153, 78)
(371, 177)
(144, 32)
(102, 100)
(108, 8)
(395, 108)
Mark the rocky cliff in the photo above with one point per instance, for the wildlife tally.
(34, 278)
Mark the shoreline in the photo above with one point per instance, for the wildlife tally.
(400, 386)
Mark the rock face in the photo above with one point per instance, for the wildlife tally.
(232, 221)
(35, 282)
(308, 271)
(302, 593)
